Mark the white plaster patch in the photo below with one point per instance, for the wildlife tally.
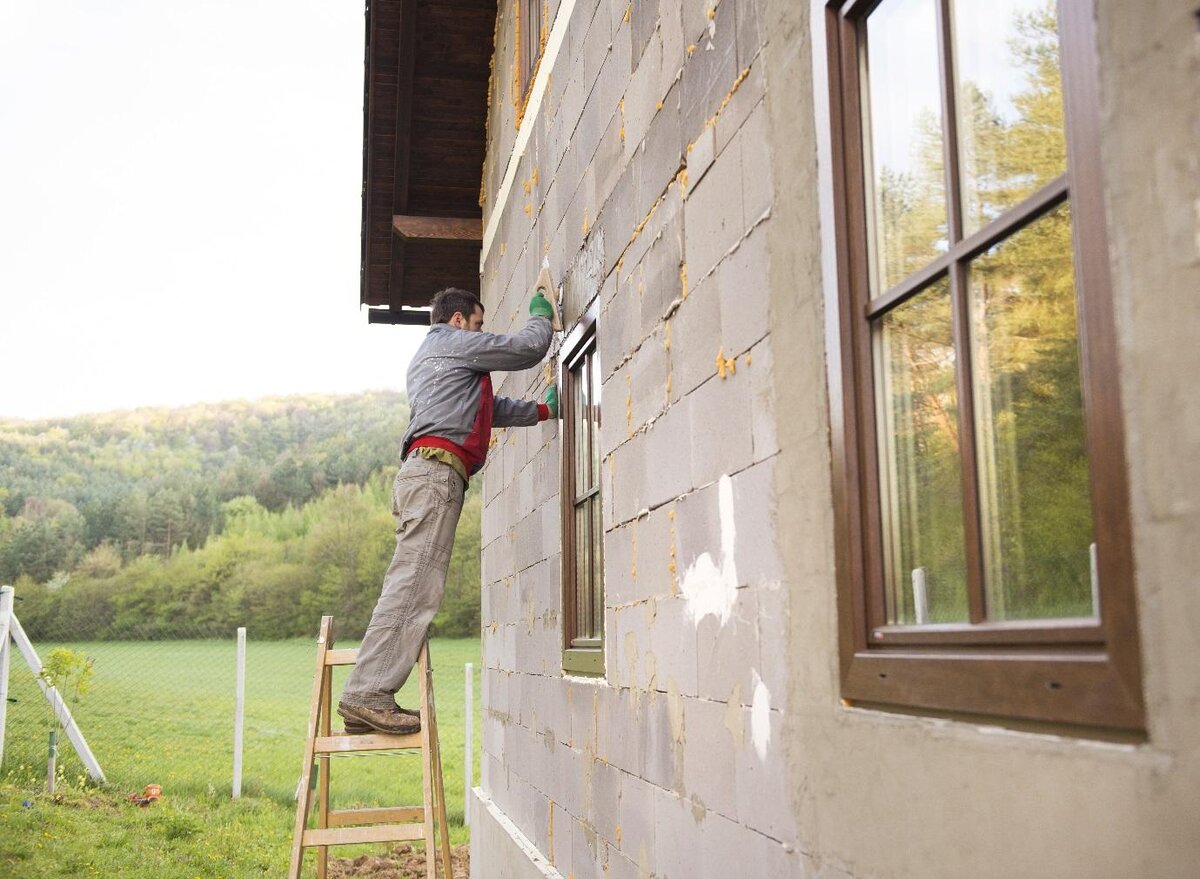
(710, 590)
(760, 717)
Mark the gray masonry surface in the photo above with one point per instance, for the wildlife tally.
(677, 176)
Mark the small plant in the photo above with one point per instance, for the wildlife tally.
(70, 673)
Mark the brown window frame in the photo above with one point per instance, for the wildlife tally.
(579, 656)
(1083, 672)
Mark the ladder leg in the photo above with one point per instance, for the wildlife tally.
(439, 783)
(323, 772)
(305, 790)
(427, 762)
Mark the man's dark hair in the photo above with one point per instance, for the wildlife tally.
(446, 302)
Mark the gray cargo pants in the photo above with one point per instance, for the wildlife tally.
(427, 500)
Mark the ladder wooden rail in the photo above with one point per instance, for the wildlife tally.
(426, 822)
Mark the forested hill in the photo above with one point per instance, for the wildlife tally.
(152, 481)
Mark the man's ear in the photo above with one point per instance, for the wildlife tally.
(456, 320)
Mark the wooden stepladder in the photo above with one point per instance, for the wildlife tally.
(350, 826)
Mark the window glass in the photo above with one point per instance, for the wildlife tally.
(580, 393)
(597, 568)
(921, 475)
(1009, 104)
(904, 119)
(583, 566)
(1035, 505)
(594, 415)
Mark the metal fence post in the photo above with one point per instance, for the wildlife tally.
(468, 761)
(239, 712)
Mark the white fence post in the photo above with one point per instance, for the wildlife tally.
(6, 605)
(239, 712)
(468, 757)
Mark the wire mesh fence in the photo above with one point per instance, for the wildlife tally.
(162, 711)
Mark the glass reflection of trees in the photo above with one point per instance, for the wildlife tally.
(1030, 448)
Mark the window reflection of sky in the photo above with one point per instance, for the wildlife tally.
(904, 69)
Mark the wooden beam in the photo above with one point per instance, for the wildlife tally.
(411, 317)
(438, 228)
(355, 835)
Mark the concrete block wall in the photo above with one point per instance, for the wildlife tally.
(678, 170)
(646, 183)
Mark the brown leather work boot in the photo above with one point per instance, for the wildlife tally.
(394, 721)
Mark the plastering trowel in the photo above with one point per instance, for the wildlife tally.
(545, 284)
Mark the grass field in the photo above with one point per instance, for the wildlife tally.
(162, 712)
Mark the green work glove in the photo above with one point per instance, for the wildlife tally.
(539, 306)
(552, 400)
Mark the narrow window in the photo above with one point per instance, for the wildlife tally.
(983, 514)
(529, 45)
(583, 527)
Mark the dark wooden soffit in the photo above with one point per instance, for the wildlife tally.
(425, 119)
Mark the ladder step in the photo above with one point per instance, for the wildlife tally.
(371, 742)
(352, 835)
(395, 814)
(341, 657)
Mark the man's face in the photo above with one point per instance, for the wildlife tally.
(473, 324)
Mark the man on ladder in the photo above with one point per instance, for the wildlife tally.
(452, 413)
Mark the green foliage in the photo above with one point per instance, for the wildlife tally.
(265, 515)
(150, 481)
(69, 672)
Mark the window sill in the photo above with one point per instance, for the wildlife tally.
(1078, 688)
(583, 662)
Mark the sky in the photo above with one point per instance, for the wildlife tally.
(180, 205)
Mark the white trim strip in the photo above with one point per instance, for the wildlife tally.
(554, 42)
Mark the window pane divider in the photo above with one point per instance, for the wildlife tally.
(1044, 200)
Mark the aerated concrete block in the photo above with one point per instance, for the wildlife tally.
(614, 745)
(710, 70)
(729, 849)
(660, 754)
(666, 470)
(673, 649)
(620, 587)
(757, 187)
(603, 799)
(762, 406)
(678, 849)
(538, 830)
(764, 793)
(660, 156)
(709, 755)
(726, 446)
(568, 783)
(727, 652)
(643, 21)
(637, 818)
(647, 383)
(743, 288)
(746, 97)
(695, 339)
(661, 264)
(713, 213)
(561, 844)
(587, 852)
(620, 866)
(757, 553)
(749, 33)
